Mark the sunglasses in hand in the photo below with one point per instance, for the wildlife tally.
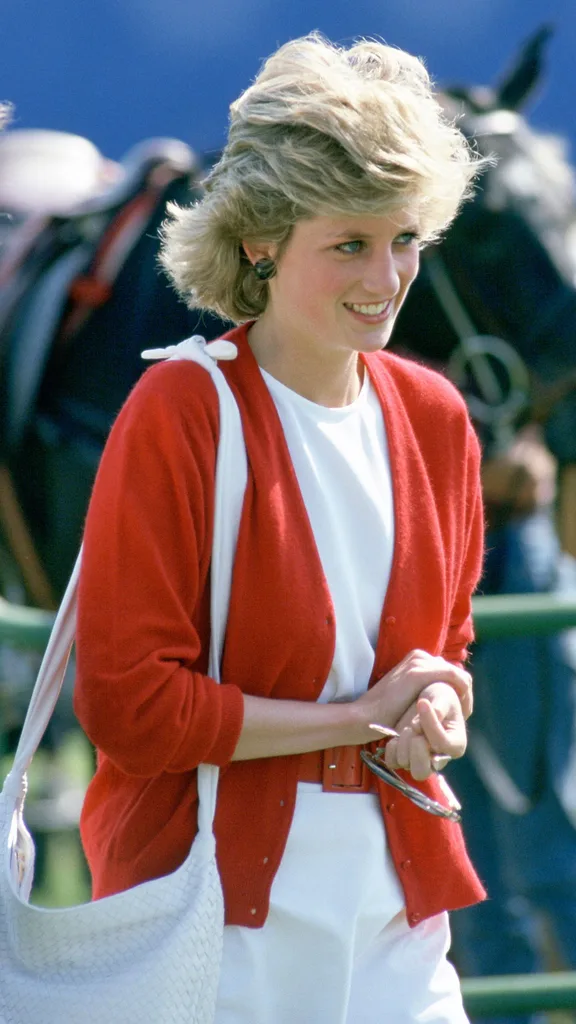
(376, 764)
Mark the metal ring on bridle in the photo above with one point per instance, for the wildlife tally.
(478, 357)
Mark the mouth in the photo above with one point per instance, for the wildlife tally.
(370, 312)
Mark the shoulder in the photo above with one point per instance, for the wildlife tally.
(167, 430)
(174, 392)
(175, 383)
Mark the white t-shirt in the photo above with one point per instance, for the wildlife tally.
(342, 465)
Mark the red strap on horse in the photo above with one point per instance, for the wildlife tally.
(94, 289)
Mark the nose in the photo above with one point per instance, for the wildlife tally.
(381, 276)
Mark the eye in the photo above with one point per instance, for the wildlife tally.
(407, 238)
(350, 248)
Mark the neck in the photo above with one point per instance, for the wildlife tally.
(333, 381)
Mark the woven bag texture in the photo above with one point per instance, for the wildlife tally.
(152, 954)
(146, 956)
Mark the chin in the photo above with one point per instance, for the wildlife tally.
(375, 341)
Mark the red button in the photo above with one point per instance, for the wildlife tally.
(406, 864)
(390, 620)
(390, 807)
(415, 918)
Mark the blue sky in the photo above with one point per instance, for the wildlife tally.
(119, 71)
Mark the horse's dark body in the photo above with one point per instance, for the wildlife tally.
(87, 379)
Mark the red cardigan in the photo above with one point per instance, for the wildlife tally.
(142, 694)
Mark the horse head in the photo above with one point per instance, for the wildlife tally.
(499, 292)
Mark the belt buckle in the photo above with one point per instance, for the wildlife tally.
(343, 771)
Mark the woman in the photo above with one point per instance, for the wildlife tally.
(358, 549)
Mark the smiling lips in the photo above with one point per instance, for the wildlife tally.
(373, 312)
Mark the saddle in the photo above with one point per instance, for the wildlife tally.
(79, 217)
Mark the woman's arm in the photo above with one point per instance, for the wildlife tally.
(277, 727)
(140, 694)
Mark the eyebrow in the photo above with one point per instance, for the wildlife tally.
(349, 234)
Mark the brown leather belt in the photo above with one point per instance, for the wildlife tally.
(339, 769)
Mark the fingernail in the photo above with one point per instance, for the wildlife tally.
(383, 729)
(439, 761)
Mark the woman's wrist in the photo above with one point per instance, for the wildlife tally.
(359, 716)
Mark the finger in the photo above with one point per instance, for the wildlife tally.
(416, 725)
(454, 674)
(410, 752)
(390, 758)
(405, 721)
(461, 682)
(432, 669)
(445, 739)
(403, 749)
(432, 726)
(420, 760)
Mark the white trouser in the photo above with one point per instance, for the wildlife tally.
(336, 947)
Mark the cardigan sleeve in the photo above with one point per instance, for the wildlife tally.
(461, 629)
(139, 693)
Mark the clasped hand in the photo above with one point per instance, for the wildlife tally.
(426, 700)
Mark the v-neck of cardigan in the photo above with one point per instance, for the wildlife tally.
(257, 393)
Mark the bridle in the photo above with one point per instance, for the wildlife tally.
(500, 375)
(489, 371)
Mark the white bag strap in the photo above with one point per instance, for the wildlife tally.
(231, 476)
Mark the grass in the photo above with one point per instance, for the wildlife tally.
(65, 881)
(56, 787)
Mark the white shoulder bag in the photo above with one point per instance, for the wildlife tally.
(152, 954)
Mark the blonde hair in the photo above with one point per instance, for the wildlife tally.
(322, 130)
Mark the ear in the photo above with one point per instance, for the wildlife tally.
(526, 71)
(259, 250)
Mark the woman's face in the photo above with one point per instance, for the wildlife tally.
(342, 279)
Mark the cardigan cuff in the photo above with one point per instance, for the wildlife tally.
(214, 729)
(231, 722)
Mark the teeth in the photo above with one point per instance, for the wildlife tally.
(371, 310)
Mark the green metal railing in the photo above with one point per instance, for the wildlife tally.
(24, 627)
(519, 614)
(520, 993)
(499, 616)
(494, 617)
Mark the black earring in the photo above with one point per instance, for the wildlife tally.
(264, 269)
